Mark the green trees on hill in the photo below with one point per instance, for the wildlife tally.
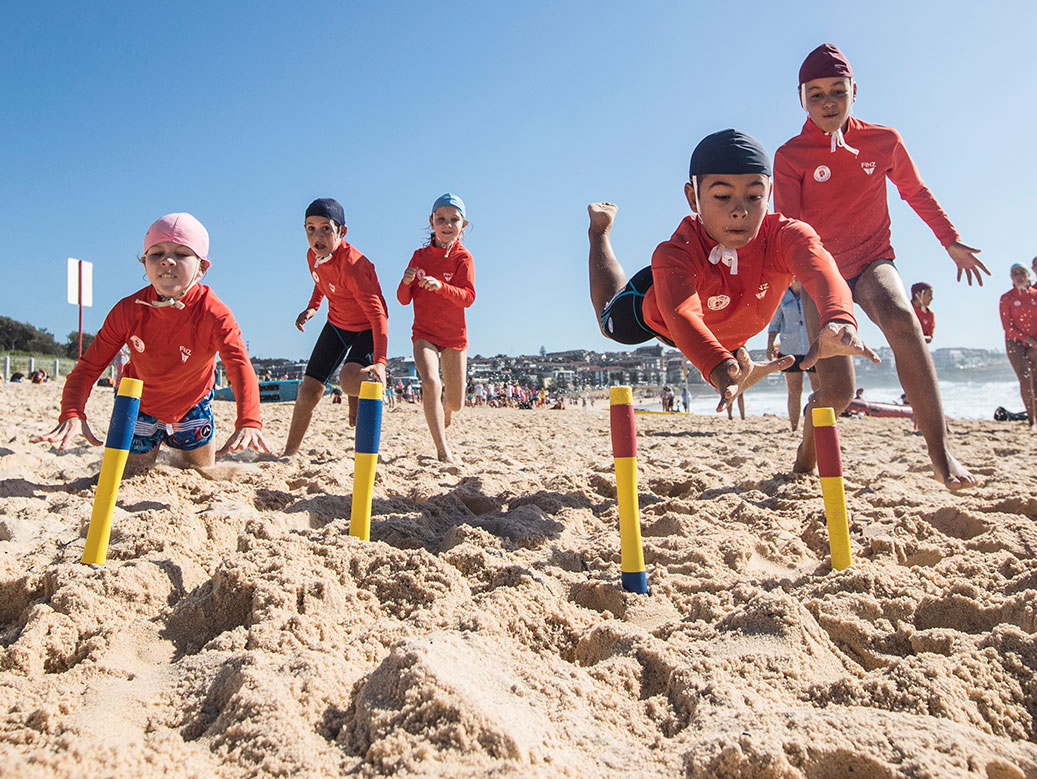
(23, 337)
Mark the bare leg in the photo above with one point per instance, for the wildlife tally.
(350, 378)
(835, 387)
(606, 274)
(741, 406)
(880, 292)
(138, 463)
(426, 359)
(310, 392)
(203, 457)
(794, 382)
(455, 367)
(1024, 363)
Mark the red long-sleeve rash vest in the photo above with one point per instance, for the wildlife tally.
(173, 351)
(708, 313)
(355, 301)
(843, 195)
(439, 315)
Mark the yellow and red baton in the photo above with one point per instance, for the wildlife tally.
(830, 469)
(365, 457)
(624, 455)
(116, 451)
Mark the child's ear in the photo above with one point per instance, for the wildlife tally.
(689, 193)
(342, 231)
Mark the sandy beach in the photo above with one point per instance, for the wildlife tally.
(238, 630)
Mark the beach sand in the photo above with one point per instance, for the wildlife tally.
(239, 631)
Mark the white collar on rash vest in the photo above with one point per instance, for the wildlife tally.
(838, 139)
(318, 261)
(168, 302)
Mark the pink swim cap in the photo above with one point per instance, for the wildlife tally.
(180, 228)
(826, 61)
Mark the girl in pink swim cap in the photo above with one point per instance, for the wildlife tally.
(173, 329)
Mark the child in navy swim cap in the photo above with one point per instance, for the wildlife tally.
(720, 277)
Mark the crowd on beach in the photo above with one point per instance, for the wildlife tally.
(731, 269)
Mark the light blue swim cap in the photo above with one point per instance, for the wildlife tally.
(449, 199)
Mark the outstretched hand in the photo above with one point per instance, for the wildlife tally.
(733, 377)
(245, 438)
(66, 431)
(303, 318)
(375, 372)
(965, 258)
(835, 339)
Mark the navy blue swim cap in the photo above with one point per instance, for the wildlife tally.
(329, 208)
(731, 152)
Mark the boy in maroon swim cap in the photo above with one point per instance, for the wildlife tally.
(833, 176)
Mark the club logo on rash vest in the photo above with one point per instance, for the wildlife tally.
(137, 343)
(822, 173)
(184, 353)
(868, 167)
(316, 278)
(331, 286)
(718, 302)
(763, 291)
(448, 276)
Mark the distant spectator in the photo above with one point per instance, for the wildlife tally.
(17, 376)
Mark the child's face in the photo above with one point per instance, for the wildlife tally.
(324, 238)
(1020, 278)
(828, 101)
(731, 206)
(447, 223)
(926, 296)
(171, 268)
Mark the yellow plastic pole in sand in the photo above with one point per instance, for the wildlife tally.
(624, 455)
(830, 469)
(365, 457)
(116, 450)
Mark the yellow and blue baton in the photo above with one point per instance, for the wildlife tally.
(365, 457)
(116, 450)
(830, 469)
(624, 455)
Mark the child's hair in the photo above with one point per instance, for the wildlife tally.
(918, 288)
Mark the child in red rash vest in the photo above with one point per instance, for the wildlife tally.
(356, 330)
(719, 279)
(921, 297)
(1018, 309)
(439, 280)
(833, 175)
(173, 329)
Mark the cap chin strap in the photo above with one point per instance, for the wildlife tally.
(164, 302)
(837, 137)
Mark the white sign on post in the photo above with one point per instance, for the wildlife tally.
(74, 266)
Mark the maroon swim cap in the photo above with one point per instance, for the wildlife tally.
(826, 61)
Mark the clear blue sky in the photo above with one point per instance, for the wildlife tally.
(117, 113)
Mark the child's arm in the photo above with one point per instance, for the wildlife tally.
(404, 293)
(367, 292)
(461, 289)
(311, 308)
(788, 187)
(772, 331)
(72, 421)
(913, 190)
(247, 429)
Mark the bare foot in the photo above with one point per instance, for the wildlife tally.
(445, 456)
(602, 215)
(806, 458)
(952, 474)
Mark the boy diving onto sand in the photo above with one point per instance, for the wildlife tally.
(719, 279)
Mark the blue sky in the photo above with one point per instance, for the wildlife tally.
(117, 113)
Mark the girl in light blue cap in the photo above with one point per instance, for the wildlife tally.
(439, 279)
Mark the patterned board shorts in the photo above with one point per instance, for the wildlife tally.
(192, 432)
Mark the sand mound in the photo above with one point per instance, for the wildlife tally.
(238, 630)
